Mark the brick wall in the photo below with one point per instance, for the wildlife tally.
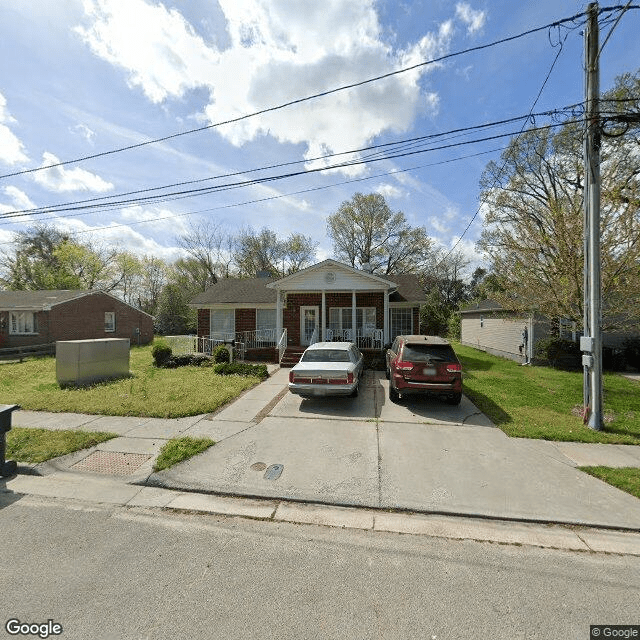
(83, 319)
(204, 322)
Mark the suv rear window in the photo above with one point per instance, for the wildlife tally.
(428, 352)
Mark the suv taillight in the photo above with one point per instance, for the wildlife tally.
(291, 376)
(349, 377)
(452, 367)
(403, 366)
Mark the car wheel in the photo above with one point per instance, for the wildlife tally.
(454, 399)
(394, 396)
(354, 393)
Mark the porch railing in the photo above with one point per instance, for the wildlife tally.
(282, 344)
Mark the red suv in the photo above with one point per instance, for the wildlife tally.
(424, 365)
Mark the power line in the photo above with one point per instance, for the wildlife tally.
(207, 190)
(535, 102)
(315, 96)
(266, 199)
(383, 148)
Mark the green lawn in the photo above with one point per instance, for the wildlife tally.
(625, 478)
(38, 445)
(540, 402)
(162, 393)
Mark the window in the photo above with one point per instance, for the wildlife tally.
(22, 322)
(340, 318)
(265, 319)
(223, 324)
(401, 322)
(109, 321)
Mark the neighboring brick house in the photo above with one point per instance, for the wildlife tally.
(322, 302)
(42, 317)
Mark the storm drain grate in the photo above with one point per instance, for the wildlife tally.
(111, 462)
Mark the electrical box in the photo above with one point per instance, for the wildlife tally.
(587, 361)
(586, 344)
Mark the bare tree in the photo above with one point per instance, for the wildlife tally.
(207, 243)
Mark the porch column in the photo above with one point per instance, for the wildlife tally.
(323, 314)
(386, 317)
(353, 316)
(278, 316)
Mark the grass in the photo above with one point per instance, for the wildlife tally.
(38, 445)
(625, 478)
(152, 392)
(179, 449)
(541, 402)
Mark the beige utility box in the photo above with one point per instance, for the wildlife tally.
(84, 362)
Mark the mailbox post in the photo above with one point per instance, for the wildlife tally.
(7, 468)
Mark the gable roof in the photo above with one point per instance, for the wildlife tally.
(256, 290)
(44, 299)
(38, 300)
(329, 264)
(484, 305)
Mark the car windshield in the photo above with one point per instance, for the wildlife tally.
(428, 353)
(326, 355)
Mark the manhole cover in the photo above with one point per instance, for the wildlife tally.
(273, 472)
(111, 462)
(258, 466)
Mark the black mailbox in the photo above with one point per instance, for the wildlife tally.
(6, 468)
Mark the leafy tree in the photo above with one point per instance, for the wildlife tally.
(364, 231)
(46, 258)
(533, 230)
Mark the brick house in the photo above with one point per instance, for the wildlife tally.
(42, 317)
(323, 302)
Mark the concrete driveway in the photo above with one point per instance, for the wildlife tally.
(419, 455)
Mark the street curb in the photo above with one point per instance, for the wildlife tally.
(70, 486)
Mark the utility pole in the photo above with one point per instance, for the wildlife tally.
(591, 343)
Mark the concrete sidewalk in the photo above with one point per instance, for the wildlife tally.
(421, 457)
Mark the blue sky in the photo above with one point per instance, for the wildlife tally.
(82, 77)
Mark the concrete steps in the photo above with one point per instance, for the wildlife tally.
(292, 356)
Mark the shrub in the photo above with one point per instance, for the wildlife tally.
(221, 354)
(187, 360)
(558, 352)
(161, 352)
(241, 369)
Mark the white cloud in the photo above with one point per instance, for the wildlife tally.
(123, 237)
(18, 200)
(389, 191)
(473, 19)
(158, 47)
(163, 219)
(60, 179)
(11, 149)
(87, 133)
(436, 224)
(278, 51)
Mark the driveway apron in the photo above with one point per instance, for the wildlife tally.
(419, 455)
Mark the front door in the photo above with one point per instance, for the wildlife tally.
(308, 324)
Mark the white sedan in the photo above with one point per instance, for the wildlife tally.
(328, 369)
